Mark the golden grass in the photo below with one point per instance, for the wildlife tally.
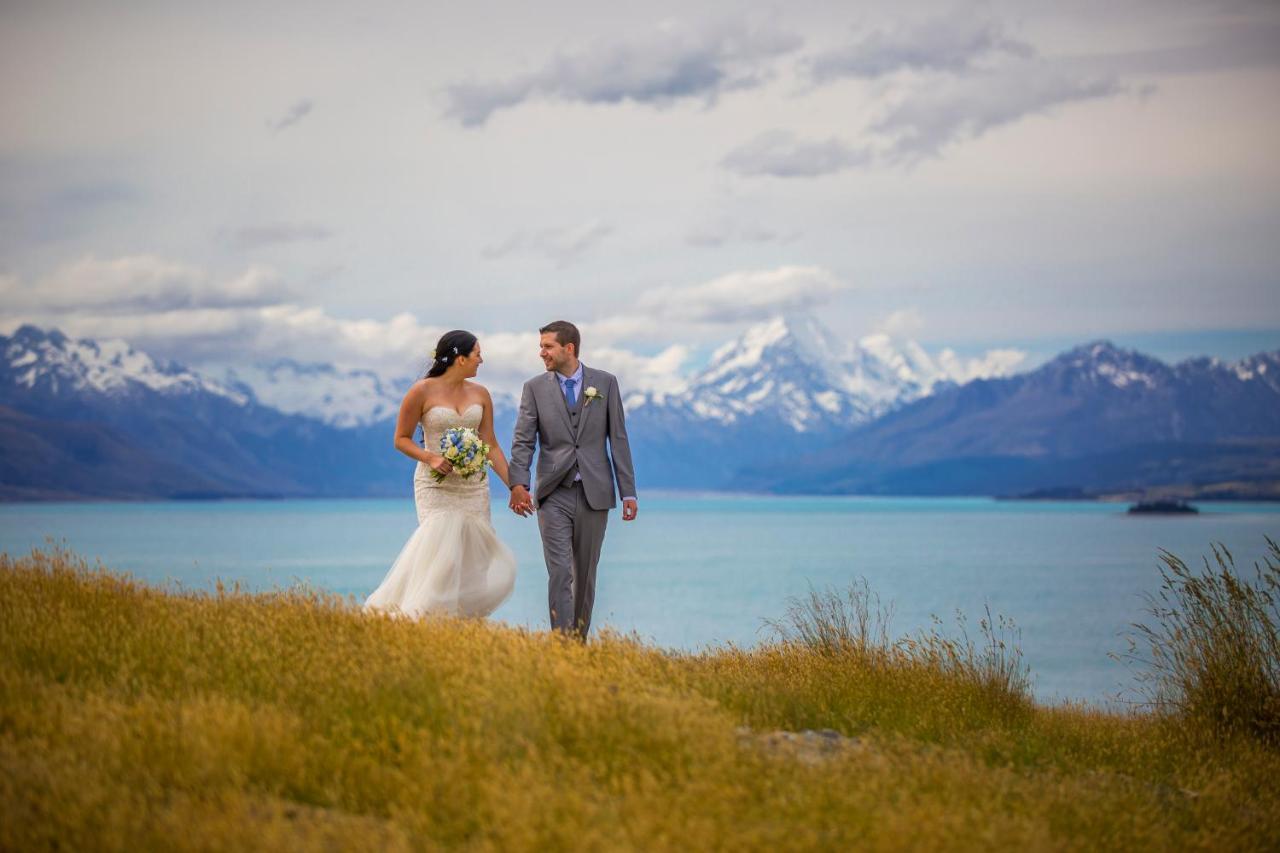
(1212, 647)
(137, 718)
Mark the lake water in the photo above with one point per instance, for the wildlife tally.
(694, 571)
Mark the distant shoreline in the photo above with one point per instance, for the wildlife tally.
(1183, 493)
(1262, 492)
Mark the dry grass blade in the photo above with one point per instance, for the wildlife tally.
(1210, 655)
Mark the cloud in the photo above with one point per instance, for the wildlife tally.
(563, 245)
(749, 296)
(142, 283)
(931, 117)
(925, 118)
(967, 77)
(1241, 42)
(659, 67)
(717, 234)
(991, 364)
(258, 236)
(905, 354)
(905, 322)
(953, 42)
(97, 194)
(662, 372)
(177, 311)
(782, 154)
(296, 113)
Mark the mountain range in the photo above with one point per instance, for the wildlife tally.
(787, 407)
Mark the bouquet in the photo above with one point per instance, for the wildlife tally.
(464, 449)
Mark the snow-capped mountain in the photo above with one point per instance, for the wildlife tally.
(1096, 417)
(84, 418)
(88, 418)
(52, 363)
(341, 398)
(794, 371)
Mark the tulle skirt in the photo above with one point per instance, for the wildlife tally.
(454, 562)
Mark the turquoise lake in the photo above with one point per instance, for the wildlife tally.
(695, 571)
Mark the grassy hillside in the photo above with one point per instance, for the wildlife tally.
(135, 718)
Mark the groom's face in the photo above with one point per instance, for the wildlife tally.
(553, 354)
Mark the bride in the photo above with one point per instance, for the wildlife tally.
(454, 562)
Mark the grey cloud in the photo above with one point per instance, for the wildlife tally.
(258, 236)
(782, 154)
(143, 284)
(296, 113)
(721, 233)
(1220, 48)
(563, 245)
(97, 194)
(48, 197)
(949, 43)
(660, 67)
(745, 295)
(926, 119)
(978, 77)
(929, 118)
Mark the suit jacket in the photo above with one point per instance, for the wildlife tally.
(543, 421)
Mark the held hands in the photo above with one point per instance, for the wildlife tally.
(521, 503)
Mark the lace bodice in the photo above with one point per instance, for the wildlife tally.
(437, 419)
(453, 493)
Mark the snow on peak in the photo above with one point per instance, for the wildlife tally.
(795, 369)
(1263, 367)
(1106, 364)
(338, 397)
(61, 364)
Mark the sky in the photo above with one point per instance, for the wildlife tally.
(334, 182)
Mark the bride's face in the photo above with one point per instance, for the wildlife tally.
(471, 363)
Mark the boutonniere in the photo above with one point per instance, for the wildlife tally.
(591, 394)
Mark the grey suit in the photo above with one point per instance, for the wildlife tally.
(572, 515)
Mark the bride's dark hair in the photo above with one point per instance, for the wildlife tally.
(448, 348)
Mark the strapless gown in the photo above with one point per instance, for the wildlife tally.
(454, 562)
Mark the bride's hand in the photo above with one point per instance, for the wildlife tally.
(439, 464)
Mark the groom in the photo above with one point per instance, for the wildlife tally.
(569, 412)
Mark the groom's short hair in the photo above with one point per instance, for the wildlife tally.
(566, 333)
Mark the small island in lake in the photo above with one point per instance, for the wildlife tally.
(1163, 507)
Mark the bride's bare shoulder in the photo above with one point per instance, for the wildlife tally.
(479, 392)
(419, 390)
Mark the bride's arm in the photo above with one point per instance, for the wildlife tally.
(496, 459)
(407, 422)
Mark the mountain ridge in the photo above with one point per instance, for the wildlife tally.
(1095, 416)
(787, 407)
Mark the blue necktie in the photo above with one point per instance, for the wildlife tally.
(568, 392)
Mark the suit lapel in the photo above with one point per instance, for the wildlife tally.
(553, 387)
(584, 402)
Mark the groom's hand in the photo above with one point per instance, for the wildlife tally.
(521, 503)
(629, 510)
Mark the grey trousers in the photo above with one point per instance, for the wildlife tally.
(572, 533)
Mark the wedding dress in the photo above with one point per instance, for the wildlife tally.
(454, 562)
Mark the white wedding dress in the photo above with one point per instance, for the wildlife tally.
(454, 562)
